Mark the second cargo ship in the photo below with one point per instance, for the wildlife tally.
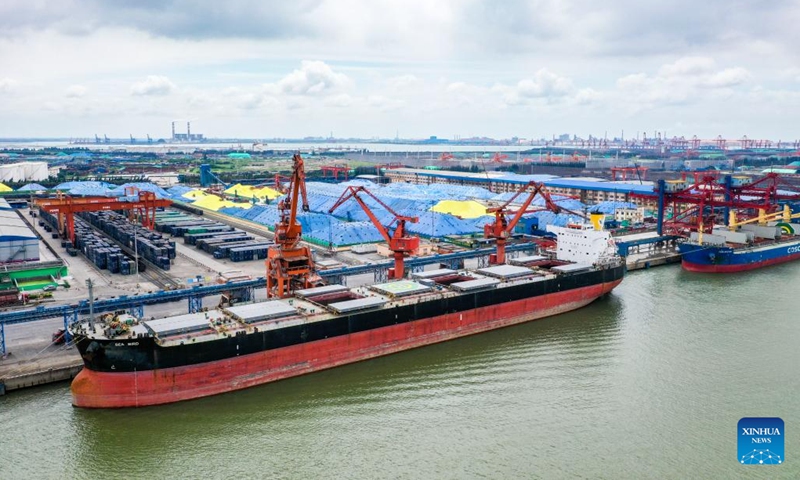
(770, 239)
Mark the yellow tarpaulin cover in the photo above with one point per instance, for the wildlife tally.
(5, 188)
(213, 202)
(463, 209)
(195, 194)
(248, 191)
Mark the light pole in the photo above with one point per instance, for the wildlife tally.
(90, 284)
(136, 252)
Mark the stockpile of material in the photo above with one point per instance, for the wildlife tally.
(460, 209)
(96, 248)
(32, 187)
(139, 187)
(86, 189)
(249, 191)
(214, 203)
(149, 245)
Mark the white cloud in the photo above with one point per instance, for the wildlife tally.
(75, 91)
(729, 77)
(153, 85)
(7, 84)
(688, 66)
(383, 103)
(686, 81)
(404, 83)
(447, 67)
(544, 85)
(342, 100)
(312, 78)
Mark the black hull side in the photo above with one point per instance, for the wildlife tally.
(144, 353)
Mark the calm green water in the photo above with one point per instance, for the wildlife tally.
(648, 383)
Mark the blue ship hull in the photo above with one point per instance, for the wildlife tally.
(724, 259)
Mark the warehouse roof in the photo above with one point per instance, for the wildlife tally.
(599, 186)
(549, 180)
(15, 232)
(13, 228)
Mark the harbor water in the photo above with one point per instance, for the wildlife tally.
(649, 382)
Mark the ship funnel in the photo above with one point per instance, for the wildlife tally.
(597, 220)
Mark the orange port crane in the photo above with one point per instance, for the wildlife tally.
(290, 265)
(499, 157)
(502, 227)
(65, 208)
(446, 156)
(279, 181)
(399, 242)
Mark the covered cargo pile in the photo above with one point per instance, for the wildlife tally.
(250, 191)
(24, 172)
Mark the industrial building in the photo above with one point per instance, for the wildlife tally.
(587, 190)
(17, 242)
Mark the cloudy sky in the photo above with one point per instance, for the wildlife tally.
(379, 68)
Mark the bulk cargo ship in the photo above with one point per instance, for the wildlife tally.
(741, 246)
(132, 362)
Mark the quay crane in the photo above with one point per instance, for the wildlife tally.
(290, 266)
(399, 242)
(501, 228)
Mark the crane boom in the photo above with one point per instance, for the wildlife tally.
(290, 265)
(501, 229)
(399, 242)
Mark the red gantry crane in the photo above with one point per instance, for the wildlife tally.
(66, 207)
(290, 265)
(699, 206)
(399, 242)
(501, 229)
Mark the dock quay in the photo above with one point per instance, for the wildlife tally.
(16, 375)
(645, 261)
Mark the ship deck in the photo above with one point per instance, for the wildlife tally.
(327, 302)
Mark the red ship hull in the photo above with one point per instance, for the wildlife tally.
(94, 389)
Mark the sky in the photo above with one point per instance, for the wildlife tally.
(407, 68)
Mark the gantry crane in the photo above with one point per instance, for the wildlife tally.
(65, 207)
(696, 206)
(399, 242)
(290, 265)
(501, 229)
